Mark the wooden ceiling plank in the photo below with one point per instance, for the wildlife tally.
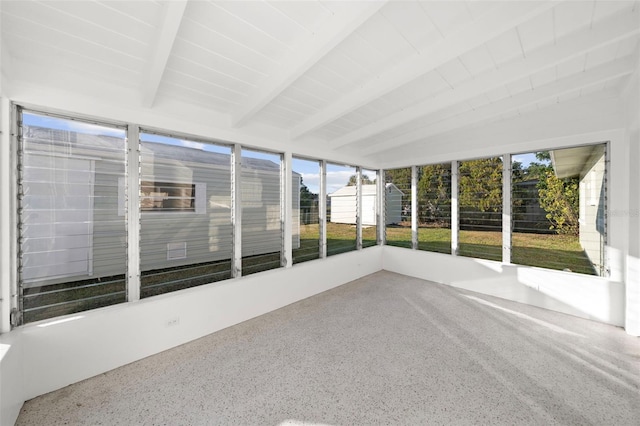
(493, 23)
(303, 58)
(598, 75)
(606, 32)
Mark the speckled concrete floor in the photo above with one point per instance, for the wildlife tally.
(385, 349)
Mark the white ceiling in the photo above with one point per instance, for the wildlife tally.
(361, 77)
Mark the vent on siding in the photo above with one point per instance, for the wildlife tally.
(176, 251)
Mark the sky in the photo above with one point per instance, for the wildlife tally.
(32, 119)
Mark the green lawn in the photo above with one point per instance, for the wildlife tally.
(544, 250)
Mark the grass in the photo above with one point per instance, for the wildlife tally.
(552, 251)
(341, 238)
(561, 252)
(54, 300)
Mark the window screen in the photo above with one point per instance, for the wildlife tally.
(185, 206)
(72, 237)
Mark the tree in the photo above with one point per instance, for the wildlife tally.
(306, 197)
(481, 184)
(399, 177)
(434, 191)
(560, 198)
(363, 181)
(308, 205)
(543, 156)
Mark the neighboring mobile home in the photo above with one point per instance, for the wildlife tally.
(185, 204)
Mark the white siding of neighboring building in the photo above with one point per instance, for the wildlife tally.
(343, 205)
(592, 210)
(204, 235)
(393, 205)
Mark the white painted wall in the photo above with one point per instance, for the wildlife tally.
(584, 296)
(11, 377)
(53, 354)
(632, 213)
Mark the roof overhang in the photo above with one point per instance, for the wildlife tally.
(572, 162)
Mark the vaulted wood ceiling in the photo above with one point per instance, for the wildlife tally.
(361, 77)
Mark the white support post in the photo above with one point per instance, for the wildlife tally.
(414, 207)
(455, 210)
(381, 208)
(286, 198)
(358, 208)
(8, 293)
(506, 208)
(133, 213)
(236, 210)
(322, 210)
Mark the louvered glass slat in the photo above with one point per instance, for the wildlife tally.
(558, 209)
(341, 209)
(185, 213)
(434, 208)
(262, 233)
(305, 219)
(370, 214)
(480, 201)
(72, 225)
(398, 207)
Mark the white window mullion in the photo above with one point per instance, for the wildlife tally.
(506, 208)
(455, 210)
(236, 210)
(381, 208)
(414, 207)
(358, 208)
(133, 213)
(286, 196)
(322, 209)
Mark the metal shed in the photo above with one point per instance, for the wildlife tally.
(343, 205)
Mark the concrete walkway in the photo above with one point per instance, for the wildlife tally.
(385, 349)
